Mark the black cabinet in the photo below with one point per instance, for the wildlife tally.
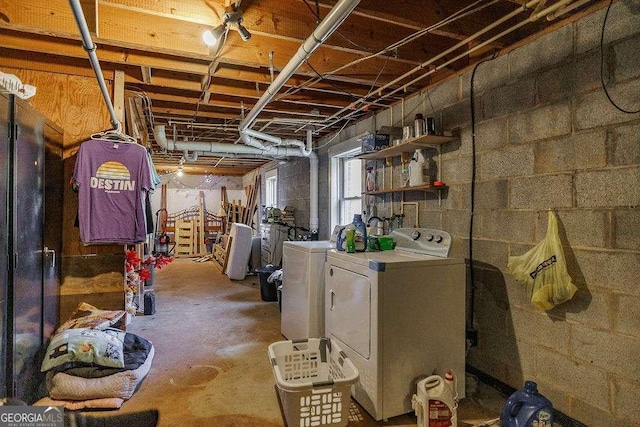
(30, 160)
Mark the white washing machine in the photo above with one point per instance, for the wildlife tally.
(302, 314)
(399, 316)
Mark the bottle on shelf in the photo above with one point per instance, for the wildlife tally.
(418, 125)
(360, 233)
(419, 169)
(371, 179)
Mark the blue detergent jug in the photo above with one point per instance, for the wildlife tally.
(526, 408)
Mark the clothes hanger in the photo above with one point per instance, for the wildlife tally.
(114, 135)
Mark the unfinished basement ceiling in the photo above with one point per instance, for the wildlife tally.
(385, 50)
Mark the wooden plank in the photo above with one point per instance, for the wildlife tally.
(146, 74)
(90, 12)
(118, 96)
(202, 249)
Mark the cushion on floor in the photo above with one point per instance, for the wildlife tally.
(122, 384)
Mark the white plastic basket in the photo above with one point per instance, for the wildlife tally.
(314, 379)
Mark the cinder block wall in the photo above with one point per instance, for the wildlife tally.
(546, 138)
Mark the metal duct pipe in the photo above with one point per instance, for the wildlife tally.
(90, 47)
(160, 136)
(327, 26)
(190, 159)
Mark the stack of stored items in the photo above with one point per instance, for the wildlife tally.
(91, 364)
(287, 216)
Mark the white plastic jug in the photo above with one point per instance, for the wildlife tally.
(435, 402)
(418, 169)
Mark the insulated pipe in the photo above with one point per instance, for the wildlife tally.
(90, 48)
(251, 148)
(274, 140)
(313, 186)
(327, 26)
(190, 159)
(255, 147)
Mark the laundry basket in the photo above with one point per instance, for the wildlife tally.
(313, 379)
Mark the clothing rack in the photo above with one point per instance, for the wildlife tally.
(90, 48)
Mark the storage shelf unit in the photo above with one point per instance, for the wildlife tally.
(424, 187)
(407, 146)
(404, 150)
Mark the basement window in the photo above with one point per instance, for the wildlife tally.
(271, 188)
(346, 185)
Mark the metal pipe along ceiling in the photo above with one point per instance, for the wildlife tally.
(90, 47)
(327, 26)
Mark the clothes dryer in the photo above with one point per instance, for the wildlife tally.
(399, 315)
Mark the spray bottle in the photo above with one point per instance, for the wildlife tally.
(435, 403)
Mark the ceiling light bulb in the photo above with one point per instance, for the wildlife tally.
(211, 37)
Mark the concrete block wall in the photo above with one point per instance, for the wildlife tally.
(546, 138)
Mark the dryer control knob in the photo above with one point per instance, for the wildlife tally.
(415, 235)
(438, 239)
(430, 237)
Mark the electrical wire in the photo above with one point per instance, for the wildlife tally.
(464, 12)
(346, 122)
(473, 189)
(221, 43)
(604, 86)
(316, 14)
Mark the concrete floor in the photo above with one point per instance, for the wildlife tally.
(211, 366)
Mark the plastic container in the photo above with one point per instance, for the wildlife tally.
(268, 291)
(418, 169)
(350, 233)
(386, 243)
(435, 402)
(313, 379)
(418, 125)
(525, 406)
(361, 233)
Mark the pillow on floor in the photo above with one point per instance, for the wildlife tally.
(88, 316)
(90, 346)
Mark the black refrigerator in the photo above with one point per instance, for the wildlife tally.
(30, 235)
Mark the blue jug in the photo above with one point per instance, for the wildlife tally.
(526, 407)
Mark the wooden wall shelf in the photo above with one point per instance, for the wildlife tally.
(424, 187)
(407, 146)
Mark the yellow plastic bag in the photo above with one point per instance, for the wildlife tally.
(543, 270)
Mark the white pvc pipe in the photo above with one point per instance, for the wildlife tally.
(221, 148)
(314, 222)
(327, 26)
(251, 148)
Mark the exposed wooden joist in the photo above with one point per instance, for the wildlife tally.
(146, 74)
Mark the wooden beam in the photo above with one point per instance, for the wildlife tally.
(118, 95)
(146, 74)
(90, 12)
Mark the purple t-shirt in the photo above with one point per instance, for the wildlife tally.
(112, 179)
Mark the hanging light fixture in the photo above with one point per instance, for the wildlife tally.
(212, 36)
(232, 19)
(180, 172)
